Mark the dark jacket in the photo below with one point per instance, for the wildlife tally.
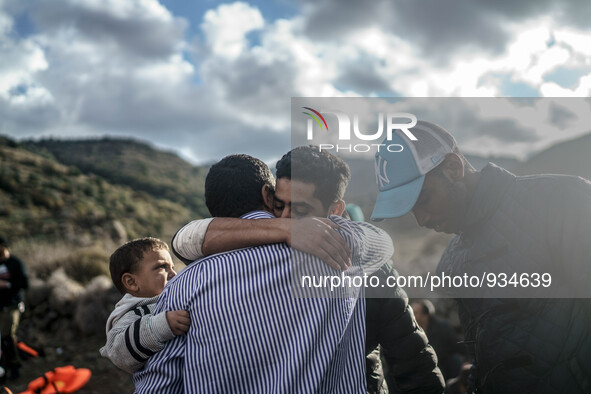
(442, 336)
(534, 224)
(411, 361)
(13, 271)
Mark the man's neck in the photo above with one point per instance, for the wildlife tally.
(471, 180)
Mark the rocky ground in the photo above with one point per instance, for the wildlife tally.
(81, 353)
(65, 322)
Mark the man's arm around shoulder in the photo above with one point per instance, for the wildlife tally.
(372, 245)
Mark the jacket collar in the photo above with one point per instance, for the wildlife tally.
(492, 186)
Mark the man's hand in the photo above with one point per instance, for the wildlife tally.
(178, 321)
(317, 236)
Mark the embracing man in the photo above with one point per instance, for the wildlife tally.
(311, 185)
(248, 333)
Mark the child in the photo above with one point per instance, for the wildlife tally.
(139, 270)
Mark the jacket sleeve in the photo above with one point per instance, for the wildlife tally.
(187, 243)
(412, 361)
(134, 338)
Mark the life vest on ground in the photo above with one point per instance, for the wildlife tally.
(59, 380)
(23, 347)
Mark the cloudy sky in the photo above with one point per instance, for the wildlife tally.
(209, 78)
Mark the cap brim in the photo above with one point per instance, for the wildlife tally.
(398, 201)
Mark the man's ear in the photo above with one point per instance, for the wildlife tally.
(268, 197)
(128, 280)
(453, 167)
(337, 208)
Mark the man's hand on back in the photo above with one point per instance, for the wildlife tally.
(318, 237)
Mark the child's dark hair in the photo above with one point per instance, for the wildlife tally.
(127, 257)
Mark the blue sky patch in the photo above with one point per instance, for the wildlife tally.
(566, 77)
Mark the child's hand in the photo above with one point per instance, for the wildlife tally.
(178, 321)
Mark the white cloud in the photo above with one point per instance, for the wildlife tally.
(20, 59)
(527, 59)
(24, 102)
(19, 62)
(583, 89)
(579, 50)
(577, 40)
(144, 9)
(5, 23)
(226, 27)
(172, 71)
(122, 67)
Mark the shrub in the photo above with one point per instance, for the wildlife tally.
(64, 291)
(86, 264)
(95, 305)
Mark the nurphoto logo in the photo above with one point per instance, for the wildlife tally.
(398, 121)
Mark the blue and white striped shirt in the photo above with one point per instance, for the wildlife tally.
(249, 334)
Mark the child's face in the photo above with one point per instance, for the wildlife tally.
(155, 269)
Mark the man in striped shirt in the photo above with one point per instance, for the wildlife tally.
(311, 183)
(248, 332)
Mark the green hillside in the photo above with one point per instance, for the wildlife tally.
(135, 164)
(65, 206)
(43, 200)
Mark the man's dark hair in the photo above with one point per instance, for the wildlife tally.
(233, 186)
(128, 256)
(329, 173)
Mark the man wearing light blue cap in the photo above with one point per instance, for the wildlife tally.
(401, 175)
(503, 224)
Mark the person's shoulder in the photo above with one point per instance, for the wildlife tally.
(361, 231)
(15, 260)
(268, 250)
(341, 220)
(351, 231)
(554, 188)
(129, 302)
(554, 181)
(349, 226)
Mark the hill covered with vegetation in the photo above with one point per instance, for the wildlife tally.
(65, 206)
(132, 163)
(80, 190)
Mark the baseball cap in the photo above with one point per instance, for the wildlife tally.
(400, 173)
(3, 242)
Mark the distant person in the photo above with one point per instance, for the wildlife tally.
(354, 212)
(13, 282)
(442, 337)
(311, 185)
(254, 335)
(140, 269)
(504, 224)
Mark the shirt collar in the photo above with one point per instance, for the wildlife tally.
(257, 215)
